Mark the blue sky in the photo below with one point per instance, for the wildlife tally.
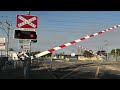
(60, 27)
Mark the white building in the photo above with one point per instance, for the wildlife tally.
(13, 55)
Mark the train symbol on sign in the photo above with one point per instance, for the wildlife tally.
(26, 21)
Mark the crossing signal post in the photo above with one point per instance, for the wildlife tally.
(19, 34)
(27, 25)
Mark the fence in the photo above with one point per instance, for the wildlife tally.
(114, 58)
(12, 65)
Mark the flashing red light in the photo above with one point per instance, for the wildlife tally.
(31, 35)
(18, 34)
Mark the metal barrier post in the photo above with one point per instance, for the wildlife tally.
(27, 68)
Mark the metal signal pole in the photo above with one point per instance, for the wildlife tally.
(28, 12)
(27, 63)
(30, 40)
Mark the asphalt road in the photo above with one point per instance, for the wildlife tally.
(73, 69)
(80, 70)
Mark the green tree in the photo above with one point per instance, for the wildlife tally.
(62, 53)
(113, 52)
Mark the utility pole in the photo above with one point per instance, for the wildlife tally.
(115, 54)
(106, 44)
(78, 51)
(8, 38)
(7, 33)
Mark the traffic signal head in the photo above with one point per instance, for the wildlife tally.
(19, 34)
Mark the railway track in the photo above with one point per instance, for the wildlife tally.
(81, 71)
(70, 71)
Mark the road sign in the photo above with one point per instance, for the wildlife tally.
(27, 29)
(26, 42)
(26, 45)
(72, 54)
(26, 21)
(2, 43)
(32, 41)
(21, 40)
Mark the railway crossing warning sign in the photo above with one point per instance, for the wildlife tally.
(26, 45)
(2, 43)
(26, 21)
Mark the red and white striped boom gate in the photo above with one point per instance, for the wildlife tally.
(87, 50)
(73, 42)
